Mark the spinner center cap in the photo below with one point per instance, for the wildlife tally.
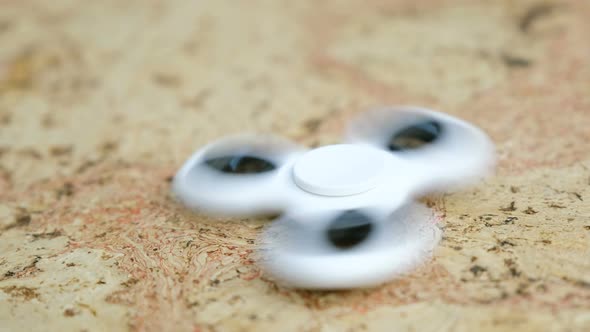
(339, 170)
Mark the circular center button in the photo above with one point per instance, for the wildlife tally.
(339, 170)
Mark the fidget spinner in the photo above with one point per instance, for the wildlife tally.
(348, 215)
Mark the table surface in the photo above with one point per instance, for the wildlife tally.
(100, 103)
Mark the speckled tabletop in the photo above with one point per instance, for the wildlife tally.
(100, 103)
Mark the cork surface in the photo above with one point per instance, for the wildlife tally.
(101, 102)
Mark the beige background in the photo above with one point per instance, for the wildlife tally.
(100, 102)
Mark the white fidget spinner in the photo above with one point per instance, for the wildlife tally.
(348, 215)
